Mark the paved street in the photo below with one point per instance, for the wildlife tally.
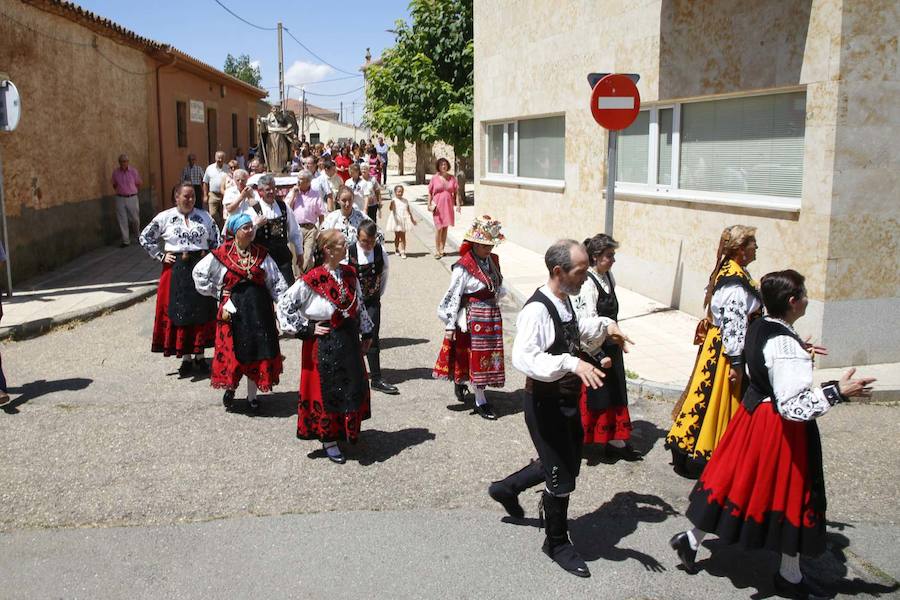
(120, 480)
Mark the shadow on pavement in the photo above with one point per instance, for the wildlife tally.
(279, 405)
(756, 568)
(395, 376)
(644, 436)
(375, 446)
(401, 342)
(42, 387)
(504, 403)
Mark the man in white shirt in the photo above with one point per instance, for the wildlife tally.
(360, 188)
(347, 218)
(371, 263)
(546, 348)
(276, 227)
(213, 186)
(322, 184)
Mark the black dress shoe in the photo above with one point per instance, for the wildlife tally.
(253, 404)
(804, 590)
(682, 546)
(502, 493)
(381, 386)
(626, 453)
(460, 390)
(339, 459)
(228, 399)
(185, 369)
(566, 556)
(200, 365)
(486, 412)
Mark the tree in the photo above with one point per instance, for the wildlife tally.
(243, 69)
(423, 90)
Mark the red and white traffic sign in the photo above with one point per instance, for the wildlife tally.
(615, 102)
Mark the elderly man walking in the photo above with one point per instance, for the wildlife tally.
(213, 185)
(309, 211)
(126, 181)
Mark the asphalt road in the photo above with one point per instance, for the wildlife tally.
(119, 479)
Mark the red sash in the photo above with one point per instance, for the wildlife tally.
(344, 302)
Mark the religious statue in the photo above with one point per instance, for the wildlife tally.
(278, 134)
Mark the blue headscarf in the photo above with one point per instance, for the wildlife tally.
(237, 221)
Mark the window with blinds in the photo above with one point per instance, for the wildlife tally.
(529, 148)
(749, 146)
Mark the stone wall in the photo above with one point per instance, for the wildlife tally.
(845, 60)
(79, 112)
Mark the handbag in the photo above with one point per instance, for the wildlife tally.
(700, 331)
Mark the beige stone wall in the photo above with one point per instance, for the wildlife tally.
(79, 112)
(531, 59)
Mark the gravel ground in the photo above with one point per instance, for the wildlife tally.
(106, 434)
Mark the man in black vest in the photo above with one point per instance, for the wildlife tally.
(546, 349)
(371, 263)
(275, 227)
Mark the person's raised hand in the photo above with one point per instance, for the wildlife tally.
(858, 388)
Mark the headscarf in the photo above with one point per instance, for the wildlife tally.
(237, 221)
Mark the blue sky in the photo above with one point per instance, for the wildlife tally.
(338, 32)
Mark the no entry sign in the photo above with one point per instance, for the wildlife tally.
(615, 102)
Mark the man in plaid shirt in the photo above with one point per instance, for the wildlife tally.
(193, 174)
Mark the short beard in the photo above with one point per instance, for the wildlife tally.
(570, 289)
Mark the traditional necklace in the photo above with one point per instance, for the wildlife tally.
(244, 259)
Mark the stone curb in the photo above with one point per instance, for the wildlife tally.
(37, 327)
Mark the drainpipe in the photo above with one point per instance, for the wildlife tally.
(163, 194)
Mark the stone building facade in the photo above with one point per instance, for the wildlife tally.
(90, 91)
(775, 114)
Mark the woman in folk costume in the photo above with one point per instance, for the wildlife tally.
(325, 309)
(764, 486)
(246, 282)
(714, 391)
(604, 411)
(473, 326)
(185, 322)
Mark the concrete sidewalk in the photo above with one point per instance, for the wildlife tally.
(662, 358)
(105, 279)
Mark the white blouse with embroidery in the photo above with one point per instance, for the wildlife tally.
(791, 376)
(172, 231)
(300, 304)
(209, 276)
(730, 306)
(462, 282)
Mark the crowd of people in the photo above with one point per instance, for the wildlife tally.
(313, 264)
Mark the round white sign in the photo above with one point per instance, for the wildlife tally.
(10, 107)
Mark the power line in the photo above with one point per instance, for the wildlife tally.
(240, 18)
(302, 45)
(335, 95)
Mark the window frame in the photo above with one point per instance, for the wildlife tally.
(181, 128)
(653, 189)
(513, 178)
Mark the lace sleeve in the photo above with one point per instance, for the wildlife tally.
(730, 311)
(275, 282)
(150, 238)
(289, 308)
(449, 306)
(208, 275)
(790, 372)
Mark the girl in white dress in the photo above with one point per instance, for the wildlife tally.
(400, 220)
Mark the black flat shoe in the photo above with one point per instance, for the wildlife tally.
(682, 546)
(339, 459)
(185, 369)
(253, 404)
(804, 590)
(567, 557)
(508, 498)
(486, 412)
(380, 386)
(200, 365)
(228, 399)
(460, 390)
(627, 453)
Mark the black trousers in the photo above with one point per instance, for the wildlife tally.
(372, 212)
(374, 353)
(554, 423)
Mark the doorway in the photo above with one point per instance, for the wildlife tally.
(212, 128)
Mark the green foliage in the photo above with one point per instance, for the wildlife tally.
(241, 68)
(423, 90)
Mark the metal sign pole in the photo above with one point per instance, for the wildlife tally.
(610, 180)
(9, 288)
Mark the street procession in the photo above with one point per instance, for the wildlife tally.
(503, 320)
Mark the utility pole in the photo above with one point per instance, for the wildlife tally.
(303, 114)
(281, 99)
(341, 116)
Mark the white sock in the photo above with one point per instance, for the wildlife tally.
(251, 390)
(617, 443)
(695, 536)
(331, 449)
(790, 568)
(480, 398)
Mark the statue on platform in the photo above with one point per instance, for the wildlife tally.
(277, 135)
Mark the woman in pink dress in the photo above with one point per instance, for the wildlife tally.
(442, 197)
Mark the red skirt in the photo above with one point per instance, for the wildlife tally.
(170, 339)
(602, 426)
(314, 422)
(763, 486)
(227, 370)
